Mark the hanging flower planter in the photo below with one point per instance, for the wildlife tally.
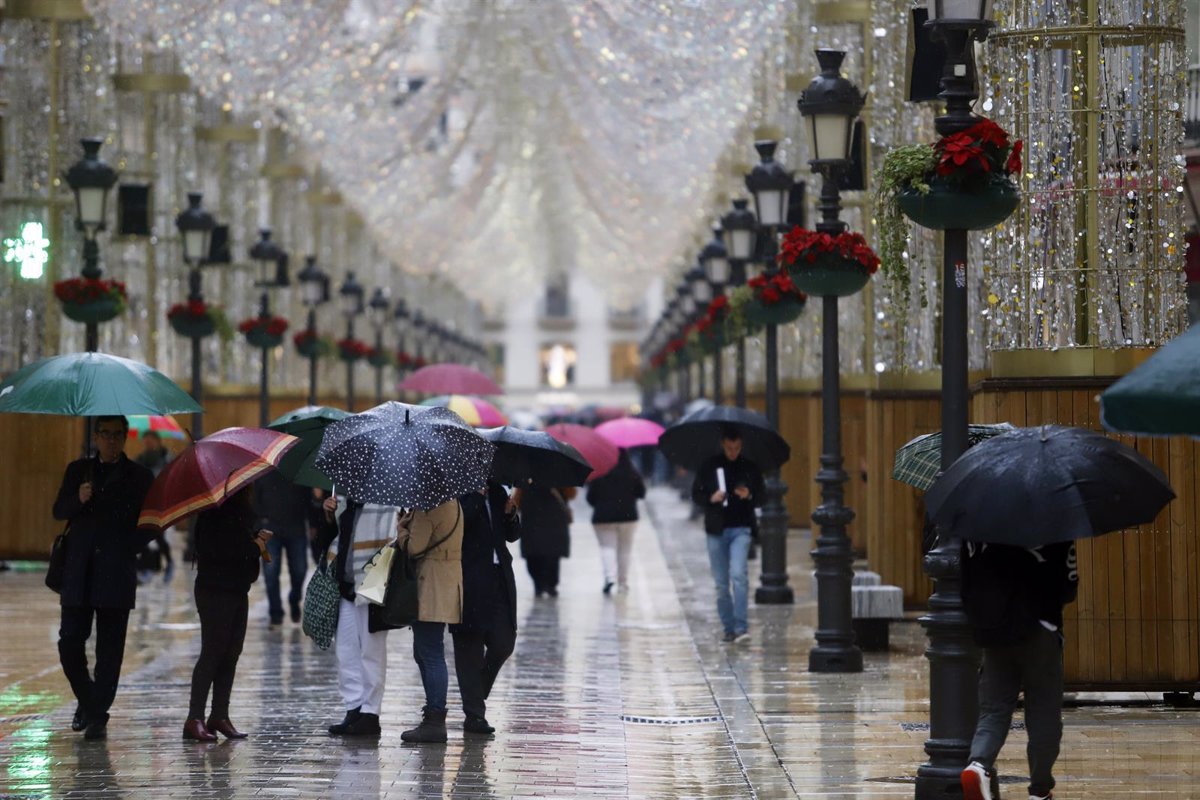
(711, 329)
(264, 332)
(776, 300)
(91, 300)
(196, 319)
(380, 358)
(945, 208)
(351, 350)
(828, 265)
(310, 345)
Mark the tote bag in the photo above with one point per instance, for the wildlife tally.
(321, 605)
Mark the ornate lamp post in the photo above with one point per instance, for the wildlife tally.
(699, 296)
(314, 284)
(714, 260)
(419, 330)
(831, 103)
(770, 185)
(272, 263)
(953, 658)
(742, 229)
(379, 309)
(195, 229)
(402, 322)
(90, 179)
(351, 296)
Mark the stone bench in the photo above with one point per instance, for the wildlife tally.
(872, 607)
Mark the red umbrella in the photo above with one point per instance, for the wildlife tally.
(599, 452)
(630, 432)
(450, 379)
(210, 471)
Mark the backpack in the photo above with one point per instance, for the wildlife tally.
(998, 596)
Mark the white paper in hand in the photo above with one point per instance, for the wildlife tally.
(721, 484)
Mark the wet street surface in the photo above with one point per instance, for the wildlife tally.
(626, 696)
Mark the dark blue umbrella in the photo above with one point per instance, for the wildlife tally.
(697, 437)
(524, 457)
(403, 455)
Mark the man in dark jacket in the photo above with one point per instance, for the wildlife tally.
(283, 507)
(613, 498)
(728, 487)
(101, 498)
(488, 632)
(1014, 599)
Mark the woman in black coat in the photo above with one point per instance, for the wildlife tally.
(545, 534)
(229, 543)
(613, 498)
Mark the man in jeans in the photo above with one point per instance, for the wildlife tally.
(728, 487)
(1014, 598)
(283, 507)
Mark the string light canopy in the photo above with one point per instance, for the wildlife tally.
(492, 142)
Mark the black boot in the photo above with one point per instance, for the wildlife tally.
(79, 721)
(365, 725)
(477, 725)
(432, 728)
(340, 728)
(97, 727)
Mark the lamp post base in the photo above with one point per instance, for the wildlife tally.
(774, 588)
(828, 658)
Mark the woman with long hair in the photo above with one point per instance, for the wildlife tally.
(229, 544)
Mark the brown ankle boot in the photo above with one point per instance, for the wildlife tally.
(224, 727)
(196, 731)
(431, 730)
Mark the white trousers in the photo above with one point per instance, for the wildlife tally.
(616, 542)
(361, 657)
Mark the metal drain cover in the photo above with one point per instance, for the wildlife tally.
(669, 720)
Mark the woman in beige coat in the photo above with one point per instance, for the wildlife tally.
(434, 542)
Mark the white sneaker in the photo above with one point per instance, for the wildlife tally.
(1049, 796)
(742, 637)
(977, 782)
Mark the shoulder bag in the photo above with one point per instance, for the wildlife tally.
(401, 606)
(58, 561)
(321, 605)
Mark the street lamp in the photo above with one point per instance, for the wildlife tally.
(770, 185)
(831, 103)
(742, 229)
(403, 324)
(351, 298)
(714, 260)
(379, 309)
(272, 263)
(702, 293)
(314, 284)
(90, 179)
(953, 658)
(195, 227)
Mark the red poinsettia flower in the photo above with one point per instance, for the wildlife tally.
(1013, 166)
(272, 326)
(987, 132)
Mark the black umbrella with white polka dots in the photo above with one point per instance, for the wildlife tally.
(398, 454)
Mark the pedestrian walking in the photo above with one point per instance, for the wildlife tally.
(283, 507)
(360, 530)
(229, 544)
(485, 638)
(101, 498)
(728, 487)
(157, 553)
(434, 540)
(1014, 599)
(545, 533)
(613, 497)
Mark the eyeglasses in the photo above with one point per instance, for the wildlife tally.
(112, 436)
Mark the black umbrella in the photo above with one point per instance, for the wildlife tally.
(697, 437)
(535, 457)
(1037, 486)
(402, 455)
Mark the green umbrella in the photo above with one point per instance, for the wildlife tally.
(1161, 396)
(918, 462)
(307, 423)
(92, 385)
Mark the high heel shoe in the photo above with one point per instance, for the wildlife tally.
(225, 728)
(195, 730)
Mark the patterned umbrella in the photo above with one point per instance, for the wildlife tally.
(210, 471)
(599, 452)
(165, 427)
(92, 385)
(450, 379)
(918, 462)
(403, 455)
(631, 432)
(474, 410)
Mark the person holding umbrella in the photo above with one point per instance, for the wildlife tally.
(100, 497)
(229, 544)
(728, 487)
(613, 498)
(545, 533)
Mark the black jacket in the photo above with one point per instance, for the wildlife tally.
(485, 541)
(104, 540)
(282, 506)
(342, 529)
(614, 495)
(545, 523)
(736, 512)
(1008, 590)
(226, 554)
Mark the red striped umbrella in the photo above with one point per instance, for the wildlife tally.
(210, 471)
(599, 452)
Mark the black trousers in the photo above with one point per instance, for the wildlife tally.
(95, 694)
(479, 655)
(544, 571)
(222, 632)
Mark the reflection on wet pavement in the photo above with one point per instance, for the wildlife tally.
(628, 696)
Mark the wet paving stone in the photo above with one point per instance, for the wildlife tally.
(630, 696)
